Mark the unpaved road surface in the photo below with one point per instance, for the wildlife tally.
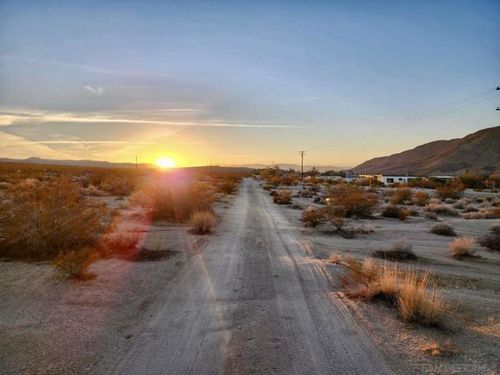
(251, 302)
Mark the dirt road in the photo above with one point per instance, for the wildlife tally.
(252, 301)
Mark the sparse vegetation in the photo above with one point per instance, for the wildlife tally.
(351, 201)
(408, 291)
(492, 240)
(283, 196)
(400, 251)
(490, 213)
(202, 222)
(40, 220)
(176, 200)
(453, 190)
(441, 209)
(401, 195)
(312, 217)
(421, 198)
(462, 247)
(443, 229)
(396, 212)
(75, 264)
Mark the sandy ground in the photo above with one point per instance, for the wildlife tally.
(471, 287)
(257, 296)
(248, 299)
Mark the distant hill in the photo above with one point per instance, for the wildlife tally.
(479, 151)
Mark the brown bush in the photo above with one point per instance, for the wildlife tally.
(443, 229)
(312, 217)
(202, 222)
(441, 209)
(228, 186)
(39, 221)
(176, 200)
(283, 197)
(401, 195)
(462, 247)
(396, 212)
(351, 201)
(491, 213)
(119, 244)
(399, 251)
(75, 263)
(492, 240)
(453, 190)
(421, 198)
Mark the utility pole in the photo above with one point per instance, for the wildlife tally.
(211, 169)
(136, 163)
(301, 153)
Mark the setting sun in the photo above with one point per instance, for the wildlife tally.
(165, 162)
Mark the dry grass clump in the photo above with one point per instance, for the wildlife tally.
(443, 229)
(462, 247)
(492, 240)
(401, 195)
(421, 198)
(283, 196)
(202, 222)
(400, 251)
(175, 200)
(351, 201)
(312, 217)
(491, 213)
(441, 209)
(417, 302)
(396, 212)
(406, 290)
(75, 264)
(38, 221)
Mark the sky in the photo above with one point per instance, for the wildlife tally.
(244, 82)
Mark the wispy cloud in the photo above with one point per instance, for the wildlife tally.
(98, 91)
(73, 142)
(10, 117)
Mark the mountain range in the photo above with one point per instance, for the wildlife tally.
(479, 152)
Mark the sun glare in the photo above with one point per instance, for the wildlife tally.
(165, 162)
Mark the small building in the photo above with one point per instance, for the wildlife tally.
(390, 179)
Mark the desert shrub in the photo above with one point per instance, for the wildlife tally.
(176, 201)
(119, 185)
(75, 263)
(306, 194)
(396, 212)
(491, 240)
(283, 197)
(441, 209)
(351, 201)
(202, 222)
(228, 186)
(407, 291)
(453, 190)
(421, 198)
(491, 213)
(312, 217)
(118, 244)
(462, 247)
(431, 216)
(401, 195)
(40, 220)
(443, 229)
(399, 251)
